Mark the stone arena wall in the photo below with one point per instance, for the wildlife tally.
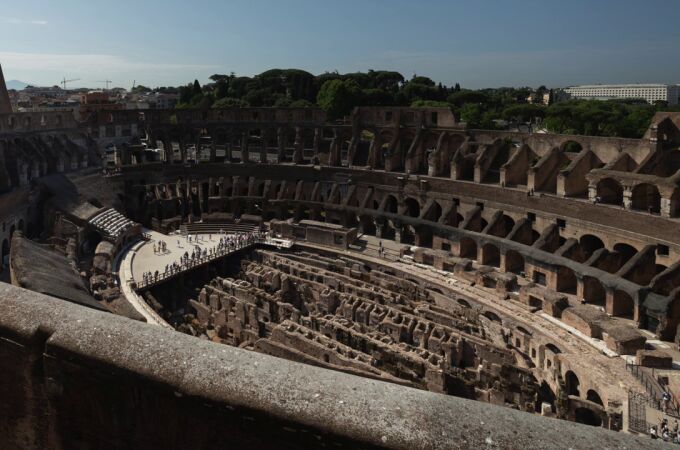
(77, 378)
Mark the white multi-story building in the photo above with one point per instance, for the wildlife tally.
(649, 92)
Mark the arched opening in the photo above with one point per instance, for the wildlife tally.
(594, 397)
(545, 395)
(593, 291)
(521, 329)
(572, 383)
(424, 236)
(30, 230)
(464, 303)
(646, 197)
(4, 260)
(408, 235)
(90, 242)
(514, 262)
(508, 225)
(492, 316)
(566, 280)
(21, 225)
(205, 194)
(587, 416)
(553, 348)
(590, 244)
(305, 213)
(468, 248)
(388, 231)
(625, 251)
(571, 147)
(622, 305)
(367, 225)
(412, 207)
(434, 213)
(610, 191)
(491, 256)
(391, 204)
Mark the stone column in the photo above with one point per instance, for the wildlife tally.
(281, 143)
(298, 146)
(627, 197)
(609, 301)
(244, 147)
(666, 207)
(264, 135)
(592, 192)
(379, 230)
(503, 263)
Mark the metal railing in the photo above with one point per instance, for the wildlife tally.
(637, 414)
(655, 389)
(191, 263)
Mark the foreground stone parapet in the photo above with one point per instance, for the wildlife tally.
(73, 377)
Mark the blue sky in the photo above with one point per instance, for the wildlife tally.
(481, 43)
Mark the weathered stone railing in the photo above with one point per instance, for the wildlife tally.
(72, 377)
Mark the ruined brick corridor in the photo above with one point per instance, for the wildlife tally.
(339, 314)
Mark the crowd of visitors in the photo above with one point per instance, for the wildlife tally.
(161, 247)
(665, 433)
(226, 244)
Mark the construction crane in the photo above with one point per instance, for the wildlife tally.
(64, 81)
(105, 81)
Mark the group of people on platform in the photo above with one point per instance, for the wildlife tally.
(666, 433)
(226, 244)
(161, 247)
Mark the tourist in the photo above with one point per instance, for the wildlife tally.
(652, 432)
(665, 398)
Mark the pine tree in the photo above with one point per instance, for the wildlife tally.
(197, 88)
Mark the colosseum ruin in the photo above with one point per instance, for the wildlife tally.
(392, 280)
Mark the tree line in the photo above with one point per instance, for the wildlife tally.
(498, 108)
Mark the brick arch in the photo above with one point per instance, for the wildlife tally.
(610, 191)
(411, 207)
(490, 255)
(646, 197)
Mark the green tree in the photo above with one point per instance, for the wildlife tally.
(430, 104)
(338, 97)
(472, 114)
(462, 97)
(301, 103)
(221, 89)
(377, 97)
(230, 102)
(140, 89)
(523, 113)
(197, 88)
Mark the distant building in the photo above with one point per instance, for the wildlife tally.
(96, 101)
(649, 92)
(44, 92)
(539, 98)
(165, 101)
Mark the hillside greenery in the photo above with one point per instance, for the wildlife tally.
(496, 108)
